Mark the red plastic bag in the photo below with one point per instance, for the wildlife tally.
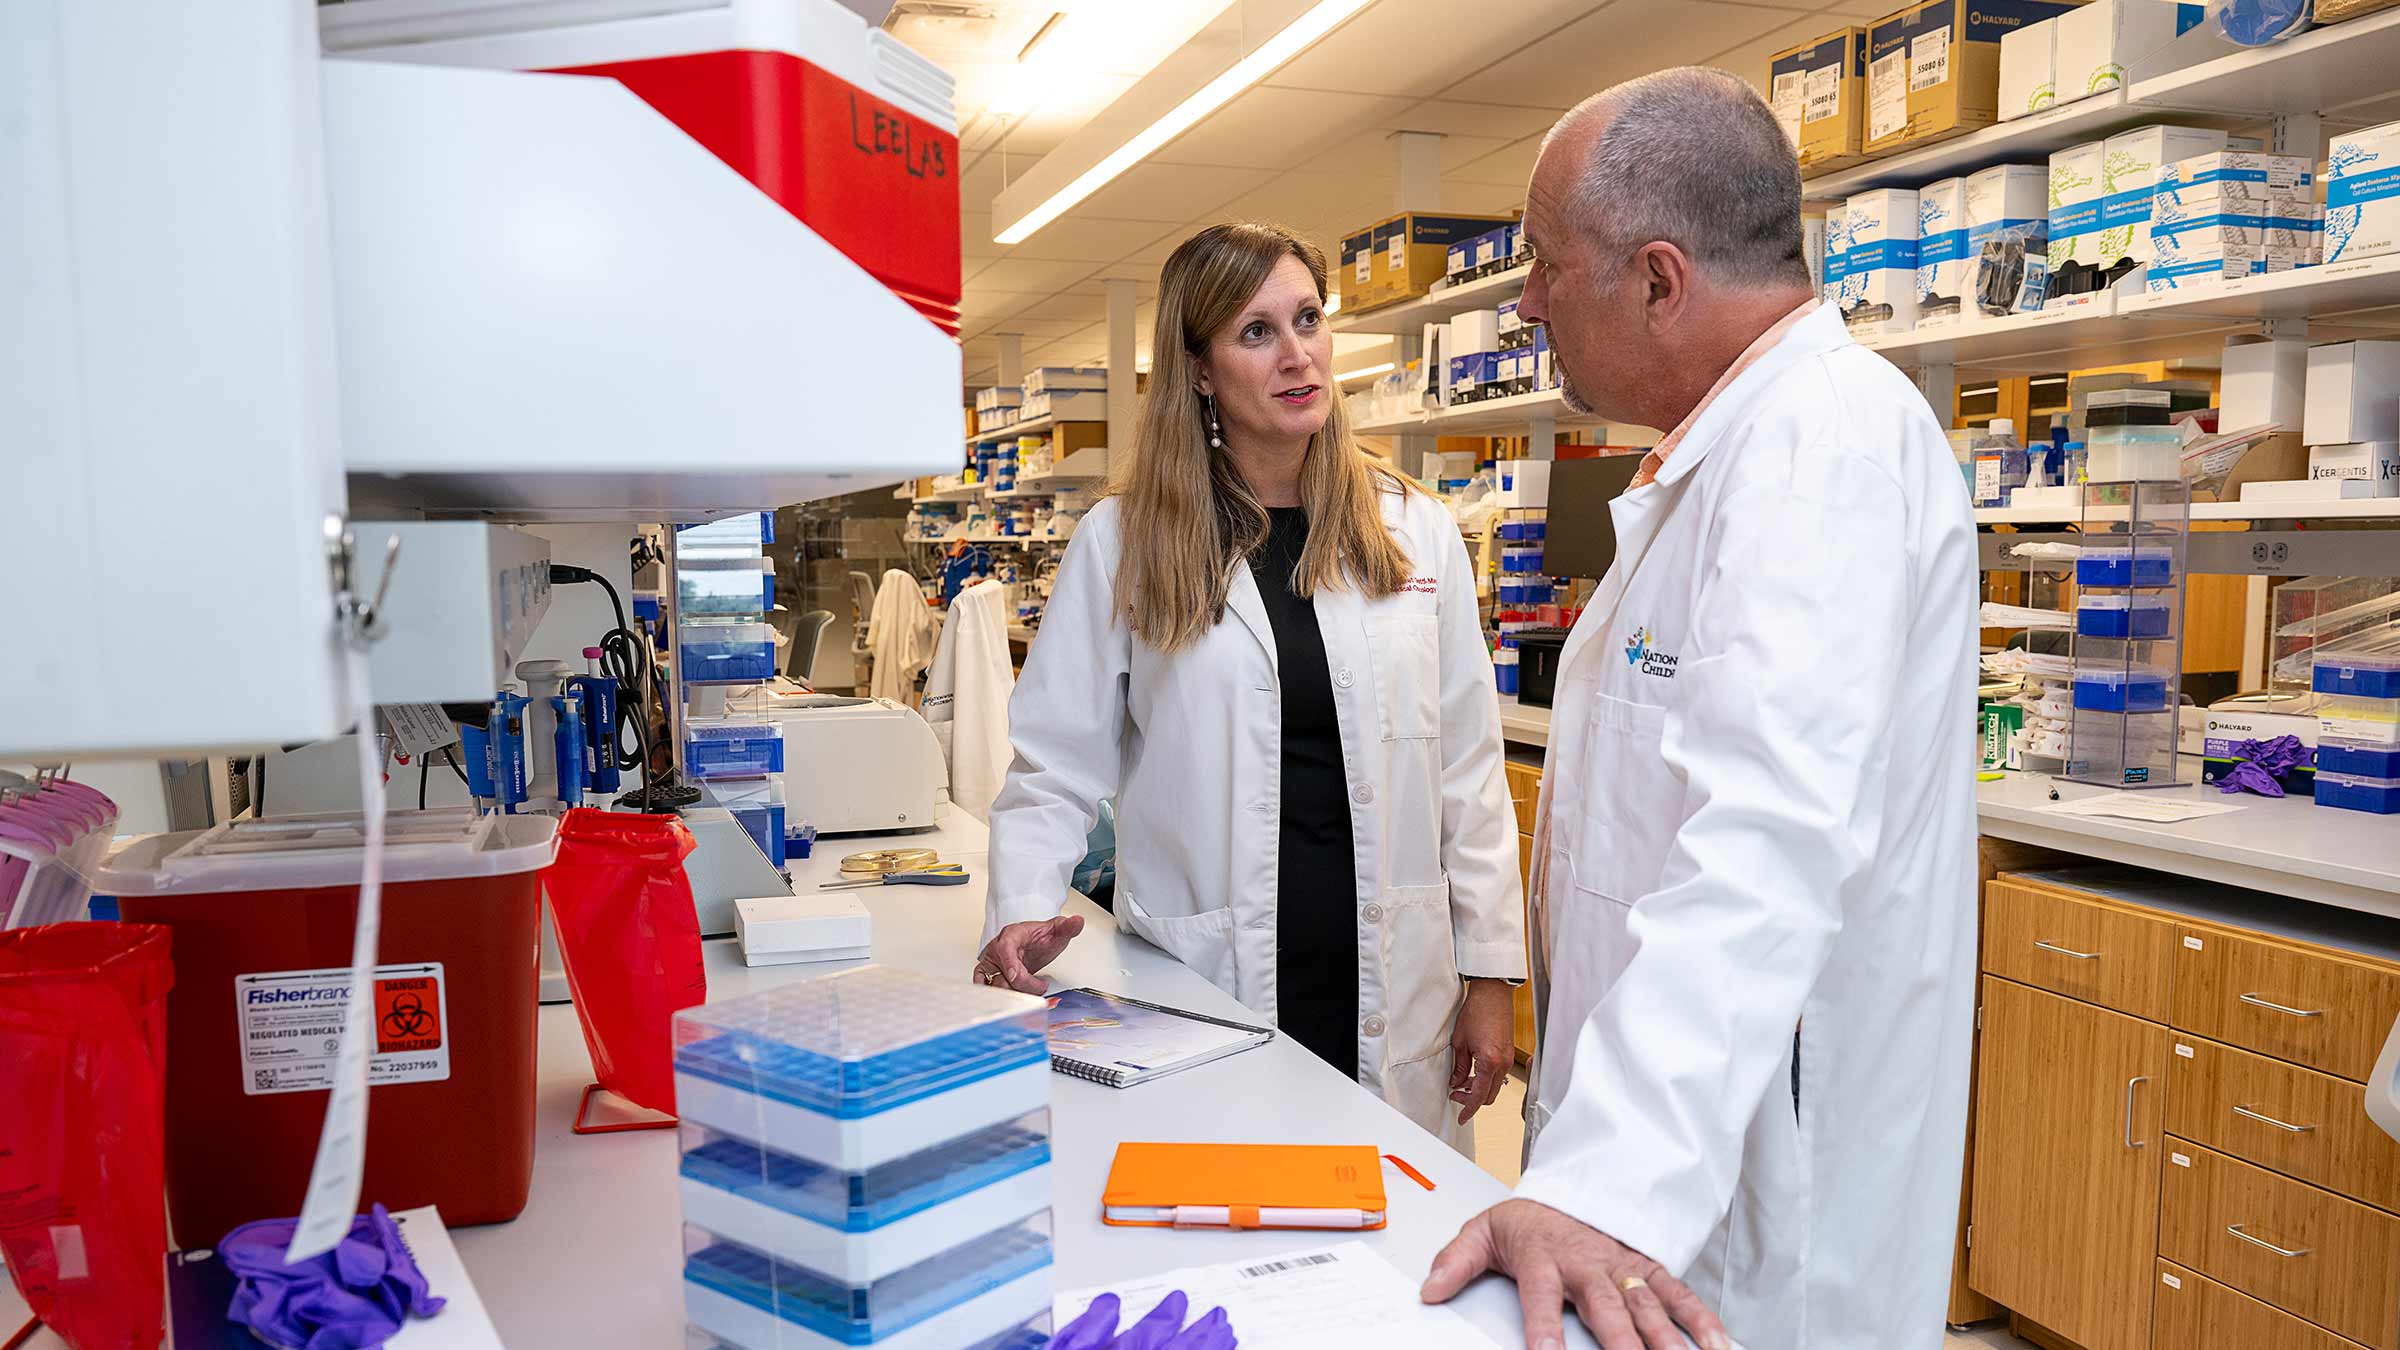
(630, 939)
(83, 1128)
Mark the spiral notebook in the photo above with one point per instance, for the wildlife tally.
(1121, 1041)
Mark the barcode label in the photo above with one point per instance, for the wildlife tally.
(1295, 1263)
(2195, 944)
(2184, 1050)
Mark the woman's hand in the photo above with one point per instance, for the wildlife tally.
(1010, 959)
(1482, 1046)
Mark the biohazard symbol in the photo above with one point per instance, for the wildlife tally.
(407, 1016)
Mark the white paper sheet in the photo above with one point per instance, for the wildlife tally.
(2156, 809)
(1343, 1297)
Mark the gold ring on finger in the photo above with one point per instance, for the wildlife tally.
(1631, 1283)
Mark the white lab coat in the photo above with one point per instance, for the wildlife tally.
(1758, 813)
(900, 636)
(966, 696)
(1190, 746)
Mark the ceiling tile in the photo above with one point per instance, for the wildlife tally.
(1453, 118)
(1169, 192)
(1750, 59)
(1031, 274)
(1076, 237)
(1415, 47)
(1622, 40)
(1270, 128)
(1046, 329)
(1861, 10)
(975, 235)
(1511, 165)
(1484, 199)
(1081, 308)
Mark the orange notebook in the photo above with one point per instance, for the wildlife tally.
(1244, 1186)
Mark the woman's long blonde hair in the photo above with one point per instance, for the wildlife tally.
(1189, 518)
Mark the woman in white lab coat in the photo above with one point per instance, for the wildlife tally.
(1265, 647)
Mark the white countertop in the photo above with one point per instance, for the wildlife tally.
(595, 1260)
(2288, 846)
(1523, 723)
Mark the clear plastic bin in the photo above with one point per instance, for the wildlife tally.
(757, 805)
(2124, 567)
(2352, 792)
(988, 1287)
(2120, 691)
(2122, 616)
(862, 1067)
(736, 536)
(731, 747)
(861, 1226)
(2357, 674)
(726, 653)
(2358, 758)
(718, 587)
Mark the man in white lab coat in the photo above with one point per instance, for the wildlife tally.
(1755, 867)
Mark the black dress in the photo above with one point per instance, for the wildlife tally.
(1316, 886)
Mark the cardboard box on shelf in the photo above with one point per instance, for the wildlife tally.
(1358, 270)
(2362, 194)
(2101, 199)
(2096, 42)
(1824, 85)
(2028, 69)
(2249, 182)
(1933, 68)
(1409, 252)
(2376, 462)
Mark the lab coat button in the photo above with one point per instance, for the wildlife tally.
(1373, 1026)
(1374, 913)
(1342, 677)
(1362, 794)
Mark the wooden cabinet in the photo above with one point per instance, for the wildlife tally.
(1524, 791)
(2302, 1004)
(2067, 1163)
(2297, 1121)
(2332, 1261)
(1524, 794)
(2082, 947)
(2194, 1312)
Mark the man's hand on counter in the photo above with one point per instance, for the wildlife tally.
(1017, 952)
(1629, 1301)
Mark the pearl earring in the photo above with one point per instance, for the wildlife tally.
(1216, 438)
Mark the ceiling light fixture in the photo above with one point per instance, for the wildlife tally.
(1287, 43)
(1362, 373)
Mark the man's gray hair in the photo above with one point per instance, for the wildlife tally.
(1695, 157)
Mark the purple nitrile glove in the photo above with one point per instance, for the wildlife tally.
(2260, 762)
(1157, 1329)
(1095, 1330)
(352, 1298)
(1213, 1332)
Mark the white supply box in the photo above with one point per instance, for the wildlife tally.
(2362, 194)
(782, 930)
(2352, 388)
(2131, 165)
(1880, 295)
(1834, 271)
(2263, 380)
(2374, 462)
(2097, 41)
(2028, 69)
(2250, 182)
(2076, 187)
(2010, 197)
(1945, 273)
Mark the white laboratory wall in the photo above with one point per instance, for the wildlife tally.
(168, 451)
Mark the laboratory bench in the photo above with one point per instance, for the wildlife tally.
(595, 1261)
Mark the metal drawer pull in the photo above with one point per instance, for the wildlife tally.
(2067, 951)
(2256, 1002)
(2246, 1112)
(2130, 1141)
(2236, 1230)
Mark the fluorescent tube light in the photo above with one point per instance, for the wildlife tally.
(1362, 373)
(1289, 42)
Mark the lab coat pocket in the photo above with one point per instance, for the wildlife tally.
(1203, 941)
(1421, 988)
(1406, 650)
(1631, 801)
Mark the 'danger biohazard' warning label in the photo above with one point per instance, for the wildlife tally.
(291, 1027)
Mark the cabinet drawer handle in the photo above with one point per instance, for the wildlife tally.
(2067, 951)
(2236, 1230)
(2130, 1141)
(2256, 1002)
(2247, 1113)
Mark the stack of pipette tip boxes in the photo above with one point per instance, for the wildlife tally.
(866, 1161)
(2358, 726)
(725, 590)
